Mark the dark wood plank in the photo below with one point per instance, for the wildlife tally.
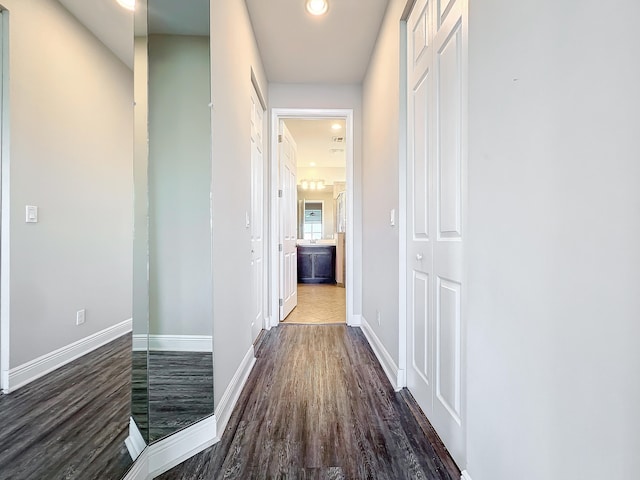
(318, 405)
(71, 423)
(180, 390)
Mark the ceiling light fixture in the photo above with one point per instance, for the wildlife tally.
(336, 126)
(128, 4)
(317, 7)
(312, 184)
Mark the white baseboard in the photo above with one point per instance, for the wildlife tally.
(231, 394)
(176, 448)
(181, 343)
(30, 371)
(134, 442)
(173, 343)
(140, 342)
(162, 456)
(355, 320)
(465, 475)
(140, 468)
(396, 375)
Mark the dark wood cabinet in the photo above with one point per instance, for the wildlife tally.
(316, 264)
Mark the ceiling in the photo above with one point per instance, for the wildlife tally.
(317, 142)
(321, 150)
(295, 47)
(299, 48)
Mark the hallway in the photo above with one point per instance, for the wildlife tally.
(318, 405)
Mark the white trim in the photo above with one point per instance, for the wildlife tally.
(134, 442)
(231, 394)
(5, 205)
(28, 372)
(355, 320)
(140, 468)
(465, 475)
(180, 343)
(162, 456)
(176, 448)
(172, 343)
(401, 224)
(140, 342)
(306, 113)
(396, 375)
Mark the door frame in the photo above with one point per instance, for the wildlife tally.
(4, 204)
(264, 294)
(278, 114)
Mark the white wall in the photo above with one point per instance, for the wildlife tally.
(179, 186)
(554, 301)
(327, 96)
(380, 177)
(71, 146)
(233, 55)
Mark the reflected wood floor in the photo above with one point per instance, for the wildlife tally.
(71, 423)
(180, 390)
(319, 304)
(317, 405)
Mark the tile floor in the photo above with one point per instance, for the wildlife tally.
(319, 304)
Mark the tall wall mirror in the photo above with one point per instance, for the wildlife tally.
(172, 384)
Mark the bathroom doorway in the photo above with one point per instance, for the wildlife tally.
(312, 175)
(321, 185)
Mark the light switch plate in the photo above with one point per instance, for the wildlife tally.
(392, 217)
(31, 214)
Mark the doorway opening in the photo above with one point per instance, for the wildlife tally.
(312, 216)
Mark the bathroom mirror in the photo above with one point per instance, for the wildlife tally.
(322, 172)
(172, 249)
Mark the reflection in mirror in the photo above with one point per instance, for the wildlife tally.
(176, 188)
(139, 378)
(322, 171)
(312, 219)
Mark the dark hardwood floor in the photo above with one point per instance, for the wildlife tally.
(317, 405)
(180, 390)
(71, 423)
(177, 392)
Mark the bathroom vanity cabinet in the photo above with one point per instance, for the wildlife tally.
(317, 264)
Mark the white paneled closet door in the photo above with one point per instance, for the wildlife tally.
(258, 285)
(436, 208)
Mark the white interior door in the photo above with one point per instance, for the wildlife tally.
(287, 154)
(436, 198)
(258, 285)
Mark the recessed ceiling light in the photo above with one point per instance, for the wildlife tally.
(317, 7)
(336, 126)
(313, 164)
(128, 4)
